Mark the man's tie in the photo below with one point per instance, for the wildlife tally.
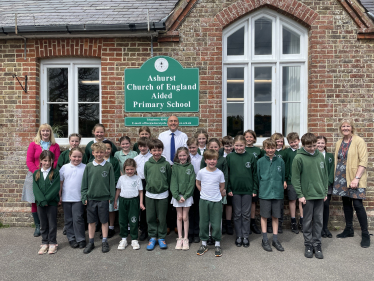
(172, 147)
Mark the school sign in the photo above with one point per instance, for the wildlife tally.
(161, 84)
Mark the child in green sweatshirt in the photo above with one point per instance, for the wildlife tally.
(157, 173)
(98, 189)
(74, 141)
(310, 180)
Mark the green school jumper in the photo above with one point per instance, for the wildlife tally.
(64, 159)
(88, 151)
(46, 192)
(183, 180)
(255, 151)
(116, 169)
(136, 148)
(290, 155)
(158, 176)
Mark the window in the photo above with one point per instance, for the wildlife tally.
(265, 76)
(70, 92)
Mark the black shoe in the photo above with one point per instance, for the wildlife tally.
(111, 233)
(294, 228)
(255, 229)
(74, 244)
(277, 245)
(347, 232)
(89, 248)
(105, 247)
(238, 241)
(210, 241)
(328, 233)
(64, 231)
(218, 251)
(323, 233)
(365, 242)
(301, 227)
(269, 229)
(143, 236)
(82, 244)
(229, 229)
(196, 239)
(190, 239)
(266, 246)
(308, 252)
(280, 230)
(318, 252)
(245, 242)
(224, 226)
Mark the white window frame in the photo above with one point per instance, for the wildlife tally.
(72, 65)
(277, 60)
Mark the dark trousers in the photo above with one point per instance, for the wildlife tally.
(241, 205)
(194, 216)
(48, 224)
(360, 212)
(312, 223)
(143, 213)
(326, 211)
(171, 219)
(74, 221)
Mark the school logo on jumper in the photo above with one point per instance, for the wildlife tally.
(133, 219)
(134, 184)
(322, 165)
(162, 170)
(188, 172)
(279, 156)
(104, 174)
(279, 169)
(330, 160)
(248, 164)
(255, 154)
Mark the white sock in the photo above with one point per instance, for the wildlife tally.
(203, 243)
(217, 244)
(124, 239)
(111, 227)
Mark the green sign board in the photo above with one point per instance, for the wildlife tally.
(159, 121)
(161, 84)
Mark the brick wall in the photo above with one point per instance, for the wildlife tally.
(340, 82)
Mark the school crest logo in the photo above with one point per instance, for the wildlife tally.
(248, 164)
(188, 172)
(322, 165)
(279, 169)
(104, 174)
(162, 170)
(134, 184)
(255, 154)
(133, 219)
(330, 160)
(279, 156)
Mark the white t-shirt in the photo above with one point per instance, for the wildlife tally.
(129, 186)
(72, 177)
(210, 184)
(140, 162)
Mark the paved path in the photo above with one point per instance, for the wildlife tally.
(344, 260)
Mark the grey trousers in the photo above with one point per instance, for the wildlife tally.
(313, 221)
(48, 224)
(241, 206)
(74, 221)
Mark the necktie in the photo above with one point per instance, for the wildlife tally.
(172, 147)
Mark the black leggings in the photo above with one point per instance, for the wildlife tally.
(360, 212)
(326, 211)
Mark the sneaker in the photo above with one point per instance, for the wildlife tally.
(318, 252)
(179, 245)
(52, 249)
(245, 242)
(43, 249)
(238, 241)
(210, 241)
(229, 229)
(143, 236)
(135, 245)
(202, 250)
(89, 248)
(255, 229)
(218, 251)
(294, 228)
(111, 233)
(105, 247)
(186, 246)
(122, 244)
(308, 252)
(323, 233)
(277, 245)
(74, 244)
(151, 244)
(266, 246)
(82, 244)
(347, 232)
(196, 239)
(162, 244)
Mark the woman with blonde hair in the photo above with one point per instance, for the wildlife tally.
(44, 140)
(351, 159)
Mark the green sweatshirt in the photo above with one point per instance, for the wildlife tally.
(309, 175)
(46, 192)
(288, 161)
(271, 176)
(88, 151)
(330, 164)
(256, 151)
(98, 183)
(157, 175)
(116, 169)
(64, 159)
(182, 181)
(222, 165)
(242, 173)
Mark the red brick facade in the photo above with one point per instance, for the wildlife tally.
(340, 79)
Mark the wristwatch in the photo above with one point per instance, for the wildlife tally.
(357, 178)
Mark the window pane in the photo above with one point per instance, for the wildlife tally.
(263, 119)
(291, 42)
(262, 84)
(291, 118)
(88, 117)
(235, 119)
(57, 79)
(58, 119)
(235, 84)
(235, 43)
(263, 36)
(89, 85)
(291, 83)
